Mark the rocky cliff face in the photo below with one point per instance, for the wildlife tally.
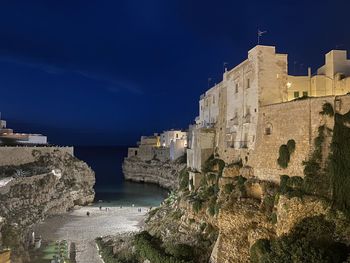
(164, 174)
(53, 184)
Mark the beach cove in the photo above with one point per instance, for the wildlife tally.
(82, 230)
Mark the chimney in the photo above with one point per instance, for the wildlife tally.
(309, 72)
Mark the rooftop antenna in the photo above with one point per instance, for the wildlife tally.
(260, 33)
(209, 80)
(295, 63)
(337, 46)
(225, 66)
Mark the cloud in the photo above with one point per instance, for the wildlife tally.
(113, 85)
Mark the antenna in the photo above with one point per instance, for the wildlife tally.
(225, 66)
(260, 33)
(209, 80)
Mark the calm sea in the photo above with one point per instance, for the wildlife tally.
(110, 185)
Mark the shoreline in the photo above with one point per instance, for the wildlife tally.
(77, 227)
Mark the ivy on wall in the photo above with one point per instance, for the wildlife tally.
(285, 152)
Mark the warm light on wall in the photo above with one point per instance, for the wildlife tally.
(289, 84)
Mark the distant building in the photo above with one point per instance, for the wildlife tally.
(170, 145)
(9, 137)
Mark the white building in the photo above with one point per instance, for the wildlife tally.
(7, 136)
(167, 137)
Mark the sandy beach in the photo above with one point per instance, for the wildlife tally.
(77, 227)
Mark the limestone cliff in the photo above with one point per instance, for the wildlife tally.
(165, 174)
(52, 184)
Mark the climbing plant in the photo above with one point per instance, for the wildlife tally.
(327, 109)
(339, 163)
(285, 152)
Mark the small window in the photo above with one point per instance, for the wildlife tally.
(213, 99)
(268, 129)
(135, 153)
(248, 83)
(296, 94)
(177, 135)
(236, 89)
(305, 94)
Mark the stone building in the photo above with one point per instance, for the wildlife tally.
(170, 145)
(9, 137)
(333, 78)
(253, 110)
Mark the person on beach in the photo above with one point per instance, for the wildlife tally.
(100, 208)
(88, 213)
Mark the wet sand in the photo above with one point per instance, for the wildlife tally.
(81, 229)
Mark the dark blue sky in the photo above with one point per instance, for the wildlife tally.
(105, 72)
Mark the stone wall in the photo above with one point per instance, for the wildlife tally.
(21, 155)
(298, 120)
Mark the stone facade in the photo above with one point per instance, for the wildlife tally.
(201, 149)
(252, 115)
(298, 120)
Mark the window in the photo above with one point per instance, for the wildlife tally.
(135, 153)
(305, 93)
(236, 89)
(296, 94)
(268, 129)
(248, 83)
(213, 99)
(177, 135)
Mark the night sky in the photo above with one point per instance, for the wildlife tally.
(106, 72)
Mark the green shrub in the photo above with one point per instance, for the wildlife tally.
(180, 251)
(311, 240)
(327, 109)
(197, 205)
(149, 247)
(211, 163)
(211, 177)
(273, 218)
(268, 203)
(10, 236)
(259, 250)
(241, 184)
(211, 209)
(106, 252)
(291, 146)
(284, 156)
(228, 188)
(184, 179)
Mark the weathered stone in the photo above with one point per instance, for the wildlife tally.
(164, 174)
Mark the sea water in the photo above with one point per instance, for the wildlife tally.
(110, 187)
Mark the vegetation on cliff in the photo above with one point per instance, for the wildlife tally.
(312, 240)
